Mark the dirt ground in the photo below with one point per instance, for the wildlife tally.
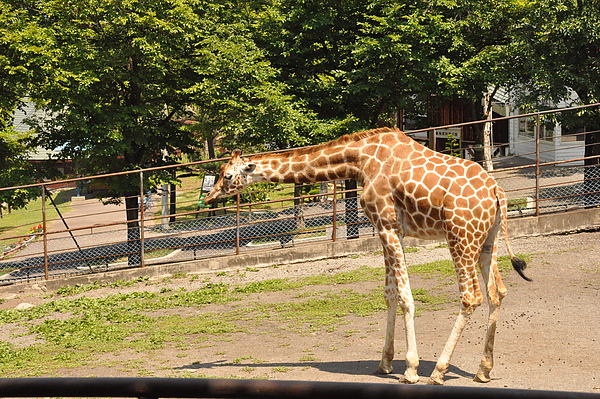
(548, 334)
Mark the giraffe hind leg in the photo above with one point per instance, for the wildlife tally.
(496, 291)
(471, 298)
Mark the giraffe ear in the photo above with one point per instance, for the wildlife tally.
(236, 153)
(249, 168)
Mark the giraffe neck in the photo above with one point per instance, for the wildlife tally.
(306, 166)
(338, 159)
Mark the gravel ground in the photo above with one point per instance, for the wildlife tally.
(548, 334)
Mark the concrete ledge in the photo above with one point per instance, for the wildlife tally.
(584, 219)
(298, 253)
(555, 223)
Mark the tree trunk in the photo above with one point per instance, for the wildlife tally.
(351, 216)
(173, 202)
(210, 146)
(474, 110)
(487, 132)
(134, 246)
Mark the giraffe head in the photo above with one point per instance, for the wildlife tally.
(233, 178)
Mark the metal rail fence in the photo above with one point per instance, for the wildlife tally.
(154, 388)
(68, 231)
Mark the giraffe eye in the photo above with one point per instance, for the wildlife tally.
(227, 176)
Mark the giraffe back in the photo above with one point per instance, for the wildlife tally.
(435, 195)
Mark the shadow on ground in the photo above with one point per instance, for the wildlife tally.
(346, 368)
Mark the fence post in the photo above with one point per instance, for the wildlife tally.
(142, 207)
(45, 232)
(334, 232)
(237, 223)
(431, 139)
(538, 126)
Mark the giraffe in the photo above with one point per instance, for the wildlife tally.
(408, 190)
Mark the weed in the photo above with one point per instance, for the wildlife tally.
(240, 359)
(281, 369)
(308, 358)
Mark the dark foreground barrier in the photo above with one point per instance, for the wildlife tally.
(149, 388)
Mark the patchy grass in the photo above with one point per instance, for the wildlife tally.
(73, 330)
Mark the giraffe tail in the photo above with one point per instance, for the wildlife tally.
(518, 264)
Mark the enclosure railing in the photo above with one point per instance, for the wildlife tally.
(68, 231)
(154, 388)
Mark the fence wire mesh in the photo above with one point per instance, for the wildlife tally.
(166, 238)
(76, 234)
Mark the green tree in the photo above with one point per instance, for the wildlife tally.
(240, 99)
(122, 75)
(368, 59)
(561, 41)
(310, 43)
(21, 43)
(116, 82)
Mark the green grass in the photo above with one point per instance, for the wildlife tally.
(72, 332)
(20, 222)
(515, 204)
(189, 190)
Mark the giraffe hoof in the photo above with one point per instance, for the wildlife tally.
(383, 371)
(435, 381)
(482, 377)
(410, 379)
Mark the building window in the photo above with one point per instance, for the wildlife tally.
(527, 128)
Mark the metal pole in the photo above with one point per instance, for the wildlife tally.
(431, 139)
(49, 195)
(237, 223)
(257, 389)
(334, 233)
(537, 165)
(142, 206)
(45, 232)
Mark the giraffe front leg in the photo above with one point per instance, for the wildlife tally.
(412, 357)
(397, 292)
(385, 366)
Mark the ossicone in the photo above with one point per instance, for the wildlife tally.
(236, 153)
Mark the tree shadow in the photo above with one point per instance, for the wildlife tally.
(359, 367)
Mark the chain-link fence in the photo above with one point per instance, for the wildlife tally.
(556, 188)
(84, 235)
(69, 231)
